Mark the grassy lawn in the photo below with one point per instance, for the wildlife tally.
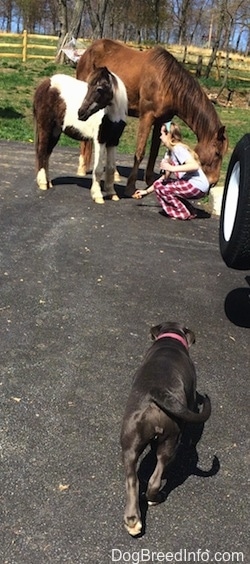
(18, 81)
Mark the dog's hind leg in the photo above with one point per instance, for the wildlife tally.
(132, 515)
(165, 454)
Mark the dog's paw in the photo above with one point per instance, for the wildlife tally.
(156, 498)
(133, 527)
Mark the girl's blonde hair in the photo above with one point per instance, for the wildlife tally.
(176, 137)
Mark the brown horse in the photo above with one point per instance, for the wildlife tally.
(159, 87)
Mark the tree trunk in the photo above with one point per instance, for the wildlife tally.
(225, 79)
(216, 44)
(75, 24)
(182, 32)
(68, 31)
(63, 22)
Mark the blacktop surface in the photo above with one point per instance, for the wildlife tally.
(81, 285)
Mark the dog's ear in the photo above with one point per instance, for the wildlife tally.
(155, 331)
(190, 336)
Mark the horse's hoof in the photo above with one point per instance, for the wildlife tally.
(98, 200)
(81, 171)
(117, 177)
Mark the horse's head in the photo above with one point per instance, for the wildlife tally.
(211, 153)
(99, 94)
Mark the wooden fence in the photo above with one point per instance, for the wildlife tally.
(26, 46)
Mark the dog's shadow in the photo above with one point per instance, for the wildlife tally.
(185, 464)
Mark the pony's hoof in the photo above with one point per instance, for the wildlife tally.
(113, 197)
(43, 186)
(98, 200)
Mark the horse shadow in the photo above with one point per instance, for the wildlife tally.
(185, 464)
(83, 182)
(86, 181)
(126, 170)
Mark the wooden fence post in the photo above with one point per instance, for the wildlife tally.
(25, 39)
(199, 67)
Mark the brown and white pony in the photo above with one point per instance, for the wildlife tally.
(96, 111)
(159, 87)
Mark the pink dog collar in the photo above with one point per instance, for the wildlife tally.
(175, 336)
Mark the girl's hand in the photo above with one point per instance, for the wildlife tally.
(169, 168)
(163, 164)
(139, 194)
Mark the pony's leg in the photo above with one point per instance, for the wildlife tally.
(154, 149)
(145, 124)
(42, 161)
(45, 144)
(95, 191)
(85, 157)
(109, 174)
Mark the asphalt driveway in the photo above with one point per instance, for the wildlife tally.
(81, 285)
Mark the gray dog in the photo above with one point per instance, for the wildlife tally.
(162, 399)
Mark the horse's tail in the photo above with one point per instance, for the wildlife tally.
(172, 406)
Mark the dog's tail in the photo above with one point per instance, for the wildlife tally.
(171, 405)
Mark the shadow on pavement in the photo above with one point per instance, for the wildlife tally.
(237, 306)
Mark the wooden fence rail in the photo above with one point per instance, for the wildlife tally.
(26, 46)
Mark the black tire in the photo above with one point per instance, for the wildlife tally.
(234, 232)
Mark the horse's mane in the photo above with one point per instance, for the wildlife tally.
(190, 102)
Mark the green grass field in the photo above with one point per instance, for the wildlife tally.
(18, 81)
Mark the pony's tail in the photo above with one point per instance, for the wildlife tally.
(172, 406)
(35, 127)
(39, 100)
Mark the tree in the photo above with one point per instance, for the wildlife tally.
(68, 30)
(220, 26)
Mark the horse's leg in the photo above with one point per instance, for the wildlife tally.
(110, 173)
(45, 143)
(96, 193)
(145, 124)
(85, 157)
(154, 150)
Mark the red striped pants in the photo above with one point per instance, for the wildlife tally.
(172, 194)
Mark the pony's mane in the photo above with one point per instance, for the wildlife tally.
(119, 105)
(190, 101)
